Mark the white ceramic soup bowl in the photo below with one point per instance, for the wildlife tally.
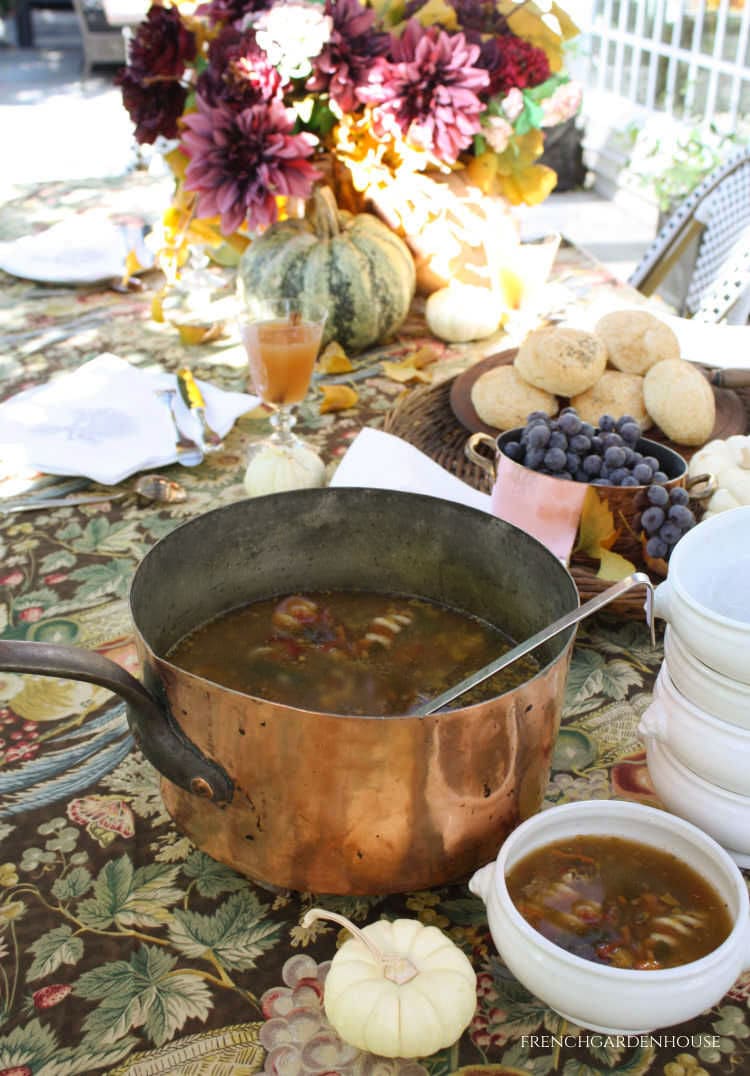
(710, 747)
(706, 595)
(722, 814)
(597, 996)
(721, 696)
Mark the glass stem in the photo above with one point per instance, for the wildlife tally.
(283, 421)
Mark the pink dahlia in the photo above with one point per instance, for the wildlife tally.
(426, 92)
(513, 63)
(161, 47)
(346, 60)
(153, 107)
(240, 162)
(239, 73)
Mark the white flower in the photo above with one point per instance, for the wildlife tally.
(562, 104)
(497, 132)
(512, 104)
(291, 34)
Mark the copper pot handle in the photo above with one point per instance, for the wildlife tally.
(471, 451)
(154, 728)
(709, 482)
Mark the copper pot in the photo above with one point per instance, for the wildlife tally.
(324, 802)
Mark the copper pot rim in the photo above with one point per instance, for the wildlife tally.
(243, 696)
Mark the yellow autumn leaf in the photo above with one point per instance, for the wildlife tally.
(438, 11)
(613, 567)
(568, 27)
(481, 171)
(597, 529)
(334, 360)
(529, 187)
(157, 307)
(511, 287)
(425, 356)
(177, 161)
(405, 371)
(337, 398)
(533, 25)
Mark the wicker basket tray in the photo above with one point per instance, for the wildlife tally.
(424, 417)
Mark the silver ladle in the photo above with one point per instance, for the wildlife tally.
(637, 579)
(149, 488)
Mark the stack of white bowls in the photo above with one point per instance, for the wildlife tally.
(697, 728)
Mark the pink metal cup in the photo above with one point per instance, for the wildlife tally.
(548, 508)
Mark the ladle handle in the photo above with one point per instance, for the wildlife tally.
(636, 579)
(154, 728)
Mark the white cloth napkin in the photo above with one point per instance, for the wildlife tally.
(105, 421)
(86, 249)
(378, 460)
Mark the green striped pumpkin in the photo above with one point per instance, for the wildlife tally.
(353, 265)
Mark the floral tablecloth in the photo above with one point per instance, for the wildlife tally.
(125, 950)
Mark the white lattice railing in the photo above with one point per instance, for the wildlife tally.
(682, 62)
(687, 58)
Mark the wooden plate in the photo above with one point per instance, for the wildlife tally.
(731, 416)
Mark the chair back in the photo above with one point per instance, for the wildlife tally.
(705, 247)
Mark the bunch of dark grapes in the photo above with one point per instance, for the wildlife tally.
(565, 447)
(664, 519)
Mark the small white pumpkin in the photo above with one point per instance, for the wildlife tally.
(729, 462)
(463, 312)
(277, 468)
(397, 989)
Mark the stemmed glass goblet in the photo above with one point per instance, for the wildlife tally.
(282, 338)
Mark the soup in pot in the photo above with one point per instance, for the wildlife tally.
(618, 902)
(349, 652)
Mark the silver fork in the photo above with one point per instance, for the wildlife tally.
(189, 453)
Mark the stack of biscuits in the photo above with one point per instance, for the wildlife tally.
(629, 365)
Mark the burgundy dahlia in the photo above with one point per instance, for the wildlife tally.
(240, 162)
(513, 62)
(162, 46)
(481, 16)
(231, 11)
(153, 107)
(346, 60)
(426, 92)
(239, 73)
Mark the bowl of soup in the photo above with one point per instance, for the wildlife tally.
(621, 917)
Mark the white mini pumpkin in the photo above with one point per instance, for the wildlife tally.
(398, 989)
(463, 312)
(729, 462)
(278, 468)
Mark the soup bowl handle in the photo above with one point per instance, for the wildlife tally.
(661, 600)
(481, 882)
(154, 729)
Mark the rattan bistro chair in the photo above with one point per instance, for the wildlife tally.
(700, 260)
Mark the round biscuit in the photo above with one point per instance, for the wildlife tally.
(562, 361)
(636, 340)
(616, 394)
(680, 401)
(504, 400)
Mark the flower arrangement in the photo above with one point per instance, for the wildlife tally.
(260, 94)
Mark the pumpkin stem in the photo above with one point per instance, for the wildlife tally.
(324, 213)
(399, 969)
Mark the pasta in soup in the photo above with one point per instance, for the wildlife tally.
(618, 902)
(349, 652)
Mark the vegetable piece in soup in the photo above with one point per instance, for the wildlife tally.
(349, 652)
(618, 902)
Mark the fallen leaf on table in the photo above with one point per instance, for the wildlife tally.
(157, 308)
(425, 355)
(337, 398)
(405, 371)
(596, 536)
(335, 360)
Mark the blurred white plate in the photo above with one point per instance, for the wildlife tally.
(86, 249)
